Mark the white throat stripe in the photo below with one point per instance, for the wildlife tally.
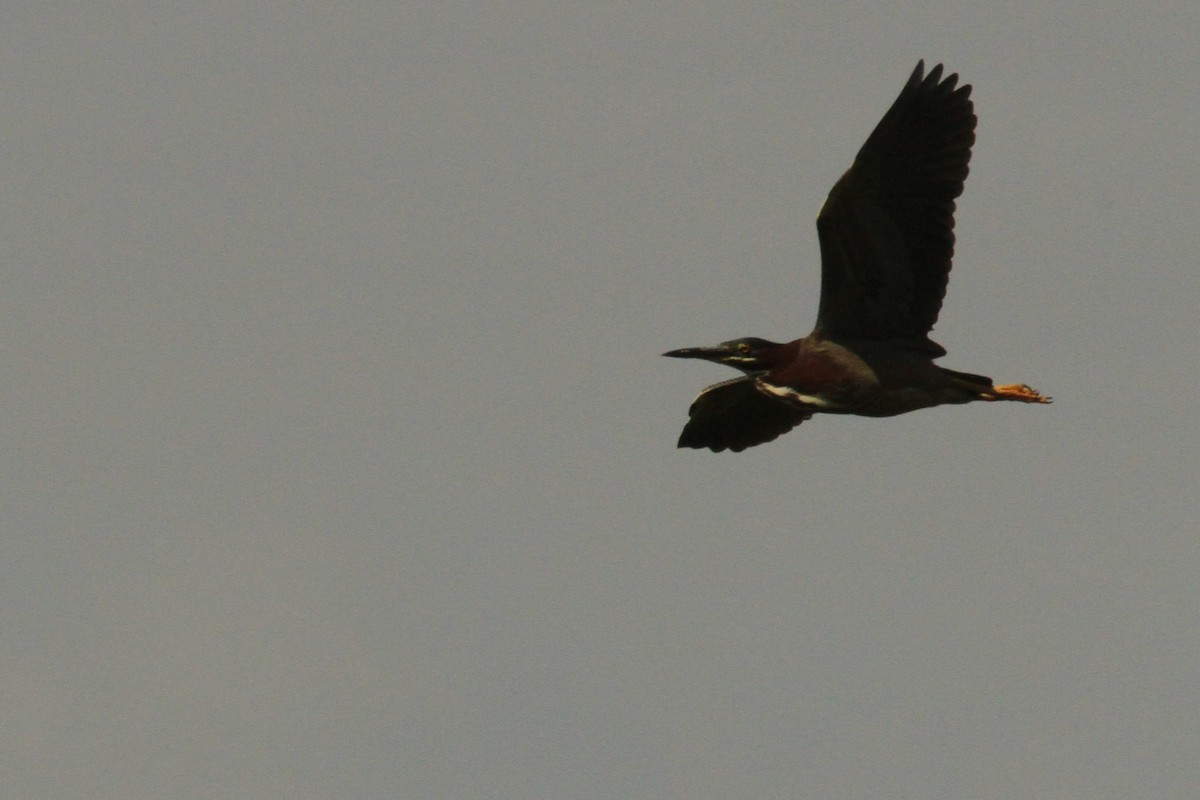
(792, 396)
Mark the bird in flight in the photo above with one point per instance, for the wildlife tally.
(887, 239)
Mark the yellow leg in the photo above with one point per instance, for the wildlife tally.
(1015, 391)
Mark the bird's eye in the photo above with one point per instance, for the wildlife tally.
(744, 348)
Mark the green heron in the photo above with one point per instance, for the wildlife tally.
(887, 239)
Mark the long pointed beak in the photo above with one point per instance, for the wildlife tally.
(707, 353)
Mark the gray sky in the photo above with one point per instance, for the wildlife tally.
(338, 455)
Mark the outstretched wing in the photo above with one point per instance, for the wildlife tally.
(887, 227)
(734, 415)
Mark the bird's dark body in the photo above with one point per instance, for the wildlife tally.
(887, 242)
(867, 379)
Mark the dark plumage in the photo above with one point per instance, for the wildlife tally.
(887, 242)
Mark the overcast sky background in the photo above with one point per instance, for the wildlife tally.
(338, 457)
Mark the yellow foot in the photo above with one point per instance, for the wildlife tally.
(1016, 391)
